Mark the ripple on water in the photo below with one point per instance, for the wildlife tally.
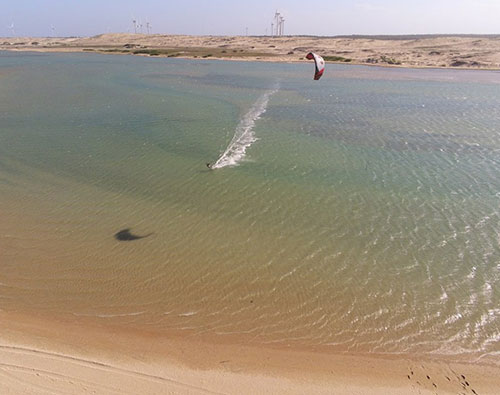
(365, 218)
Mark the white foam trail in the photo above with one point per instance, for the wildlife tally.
(110, 315)
(244, 136)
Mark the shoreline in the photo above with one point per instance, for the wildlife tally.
(454, 52)
(270, 60)
(74, 357)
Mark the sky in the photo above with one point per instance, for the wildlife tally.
(229, 17)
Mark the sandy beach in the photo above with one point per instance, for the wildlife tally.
(443, 51)
(38, 356)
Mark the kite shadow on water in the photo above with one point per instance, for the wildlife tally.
(125, 235)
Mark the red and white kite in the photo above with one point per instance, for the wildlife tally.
(318, 62)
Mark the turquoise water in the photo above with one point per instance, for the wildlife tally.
(358, 213)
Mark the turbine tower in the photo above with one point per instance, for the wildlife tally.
(11, 27)
(278, 26)
(277, 22)
(134, 22)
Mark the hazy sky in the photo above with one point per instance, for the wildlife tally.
(232, 17)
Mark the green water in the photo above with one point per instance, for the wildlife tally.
(359, 213)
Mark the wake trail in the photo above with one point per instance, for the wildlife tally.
(244, 135)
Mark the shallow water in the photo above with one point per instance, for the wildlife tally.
(359, 213)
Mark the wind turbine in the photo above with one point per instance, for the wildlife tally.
(134, 22)
(277, 19)
(148, 27)
(11, 27)
(53, 29)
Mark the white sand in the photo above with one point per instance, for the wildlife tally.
(420, 51)
(38, 356)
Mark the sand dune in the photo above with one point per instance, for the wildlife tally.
(460, 51)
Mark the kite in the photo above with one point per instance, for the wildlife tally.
(319, 64)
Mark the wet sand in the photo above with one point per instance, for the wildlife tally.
(43, 355)
(443, 51)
